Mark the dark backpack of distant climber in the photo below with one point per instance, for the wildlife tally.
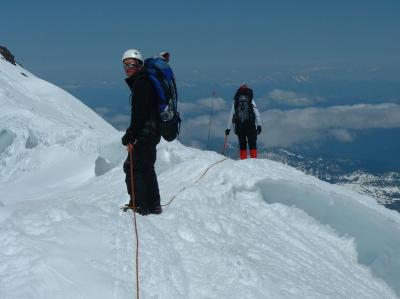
(161, 75)
(244, 116)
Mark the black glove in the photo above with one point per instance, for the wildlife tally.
(258, 130)
(125, 139)
(227, 131)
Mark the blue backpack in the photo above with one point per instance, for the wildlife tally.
(163, 79)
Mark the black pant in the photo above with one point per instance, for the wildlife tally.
(146, 192)
(249, 137)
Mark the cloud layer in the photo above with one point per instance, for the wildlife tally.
(284, 128)
(295, 126)
(281, 128)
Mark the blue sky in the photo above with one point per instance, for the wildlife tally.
(59, 38)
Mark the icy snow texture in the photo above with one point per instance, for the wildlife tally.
(247, 229)
(36, 115)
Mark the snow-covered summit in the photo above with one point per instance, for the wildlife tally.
(36, 116)
(246, 229)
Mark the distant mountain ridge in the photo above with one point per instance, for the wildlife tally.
(384, 187)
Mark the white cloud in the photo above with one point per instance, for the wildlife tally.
(291, 98)
(217, 103)
(203, 105)
(197, 127)
(186, 107)
(284, 128)
(342, 135)
(301, 78)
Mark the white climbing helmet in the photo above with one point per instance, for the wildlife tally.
(132, 53)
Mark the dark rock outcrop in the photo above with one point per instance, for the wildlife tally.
(7, 55)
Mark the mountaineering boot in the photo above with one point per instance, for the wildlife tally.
(253, 153)
(138, 210)
(156, 210)
(243, 154)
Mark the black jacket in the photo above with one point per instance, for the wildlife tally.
(145, 124)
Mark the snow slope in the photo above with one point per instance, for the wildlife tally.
(247, 229)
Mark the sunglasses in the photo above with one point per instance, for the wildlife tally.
(131, 65)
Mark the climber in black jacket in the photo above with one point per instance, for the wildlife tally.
(141, 137)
